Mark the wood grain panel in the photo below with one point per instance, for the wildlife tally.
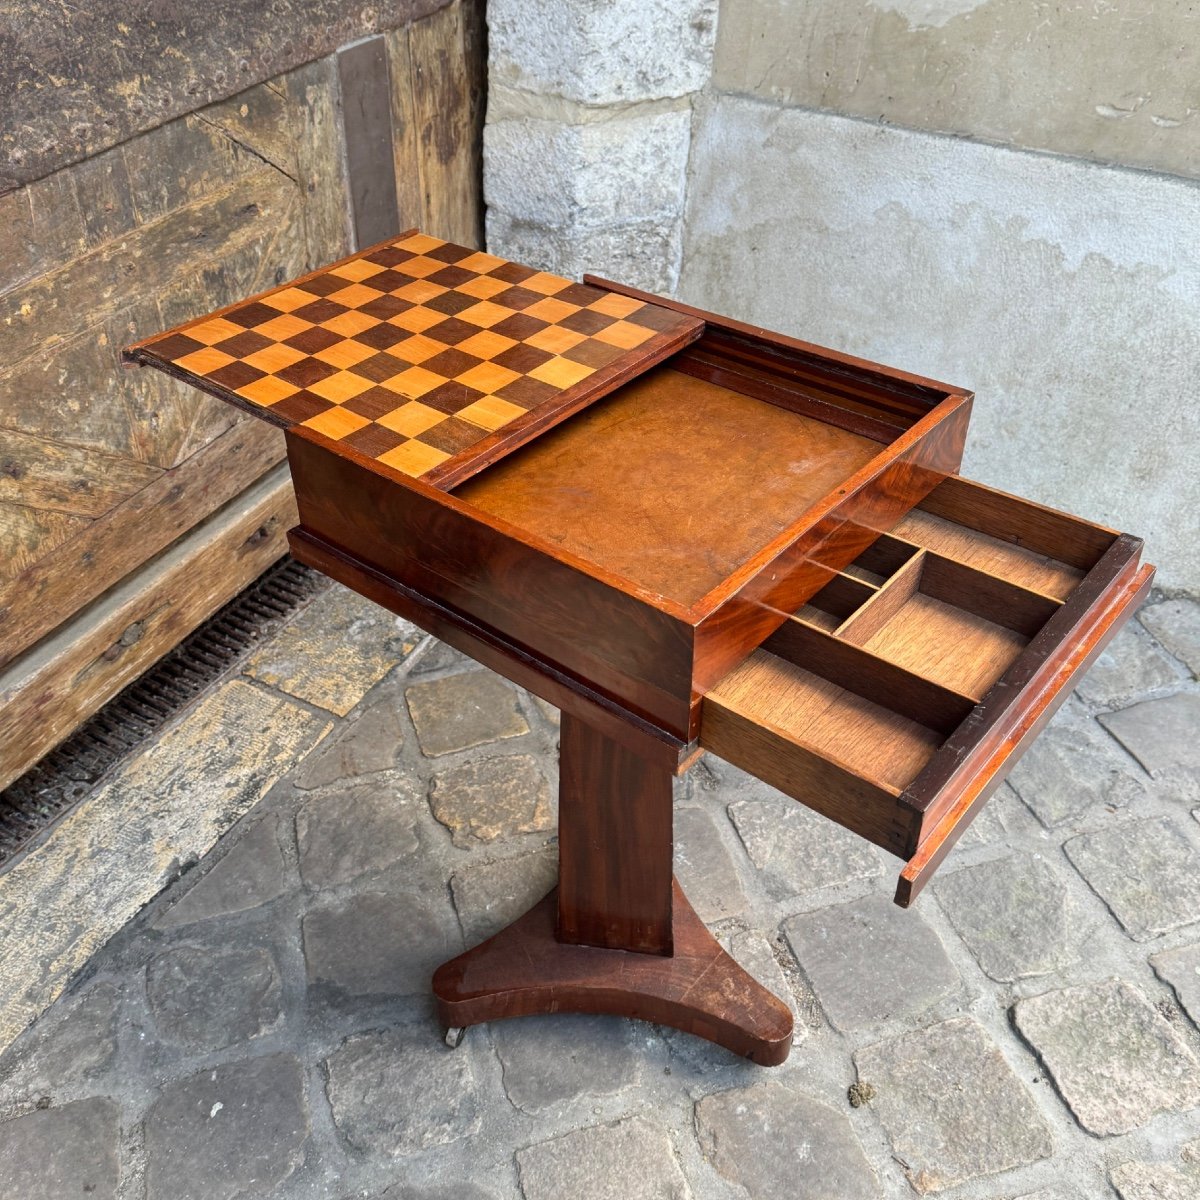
(46, 695)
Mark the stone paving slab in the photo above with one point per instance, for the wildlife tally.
(1115, 1059)
(1015, 915)
(1147, 872)
(1175, 624)
(951, 1106)
(61, 1152)
(773, 1141)
(238, 1130)
(1181, 969)
(631, 1160)
(460, 712)
(400, 1090)
(334, 651)
(1160, 734)
(869, 961)
(488, 798)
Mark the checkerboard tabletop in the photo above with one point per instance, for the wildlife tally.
(429, 358)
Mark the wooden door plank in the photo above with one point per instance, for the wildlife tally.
(47, 693)
(60, 583)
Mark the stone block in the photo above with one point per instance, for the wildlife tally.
(579, 177)
(1071, 770)
(1181, 969)
(599, 52)
(379, 943)
(1147, 872)
(797, 850)
(205, 998)
(1160, 1181)
(951, 1106)
(401, 1091)
(1069, 80)
(227, 1132)
(1116, 1060)
(251, 873)
(344, 835)
(836, 231)
(1160, 734)
(492, 798)
(869, 961)
(1176, 626)
(704, 867)
(59, 1152)
(1131, 666)
(642, 254)
(369, 743)
(566, 1057)
(1014, 914)
(773, 1141)
(335, 651)
(72, 1044)
(458, 712)
(489, 896)
(632, 1160)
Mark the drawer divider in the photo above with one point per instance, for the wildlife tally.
(873, 678)
(991, 722)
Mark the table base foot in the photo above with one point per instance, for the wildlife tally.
(524, 970)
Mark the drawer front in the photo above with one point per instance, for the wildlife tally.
(898, 698)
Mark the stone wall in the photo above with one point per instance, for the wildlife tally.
(1002, 196)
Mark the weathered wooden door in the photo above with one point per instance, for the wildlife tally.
(132, 507)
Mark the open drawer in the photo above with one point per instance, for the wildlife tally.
(899, 697)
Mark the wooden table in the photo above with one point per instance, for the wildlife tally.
(688, 534)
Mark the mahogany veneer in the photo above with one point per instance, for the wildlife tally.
(709, 537)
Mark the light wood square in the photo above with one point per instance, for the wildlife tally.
(485, 313)
(491, 412)
(488, 377)
(623, 334)
(417, 320)
(545, 284)
(267, 391)
(355, 270)
(355, 296)
(345, 354)
(561, 372)
(551, 310)
(420, 243)
(487, 344)
(612, 305)
(340, 387)
(416, 349)
(204, 362)
(216, 330)
(411, 419)
(414, 382)
(274, 358)
(349, 323)
(483, 288)
(420, 266)
(282, 327)
(336, 423)
(482, 262)
(288, 299)
(421, 290)
(414, 458)
(554, 339)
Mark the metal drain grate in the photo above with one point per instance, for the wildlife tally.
(29, 804)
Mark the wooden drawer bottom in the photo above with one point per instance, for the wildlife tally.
(898, 698)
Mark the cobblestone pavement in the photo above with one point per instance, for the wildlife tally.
(263, 1028)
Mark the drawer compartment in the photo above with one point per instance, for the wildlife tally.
(899, 696)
